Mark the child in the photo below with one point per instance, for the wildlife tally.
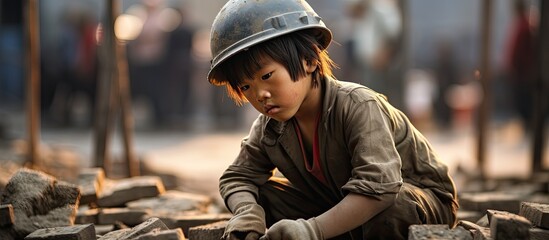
(353, 166)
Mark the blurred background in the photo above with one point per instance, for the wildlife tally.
(424, 55)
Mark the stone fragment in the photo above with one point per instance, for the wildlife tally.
(90, 181)
(7, 218)
(86, 215)
(104, 229)
(471, 216)
(479, 232)
(76, 232)
(505, 225)
(118, 192)
(131, 233)
(213, 231)
(172, 203)
(173, 234)
(186, 222)
(437, 231)
(539, 234)
(124, 215)
(483, 201)
(40, 201)
(537, 213)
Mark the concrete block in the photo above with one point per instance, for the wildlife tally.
(479, 232)
(90, 181)
(173, 234)
(131, 233)
(186, 222)
(127, 216)
(504, 225)
(437, 231)
(173, 203)
(118, 192)
(75, 232)
(471, 216)
(539, 234)
(7, 218)
(483, 201)
(104, 229)
(86, 215)
(537, 213)
(213, 231)
(40, 201)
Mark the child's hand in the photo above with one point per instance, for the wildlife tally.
(248, 222)
(243, 236)
(294, 229)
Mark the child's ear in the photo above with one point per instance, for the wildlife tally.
(310, 66)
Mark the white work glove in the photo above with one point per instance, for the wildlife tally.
(294, 229)
(248, 222)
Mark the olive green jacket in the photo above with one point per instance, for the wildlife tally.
(366, 146)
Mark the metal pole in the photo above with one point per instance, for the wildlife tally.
(33, 80)
(485, 78)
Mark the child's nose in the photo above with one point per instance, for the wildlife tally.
(262, 94)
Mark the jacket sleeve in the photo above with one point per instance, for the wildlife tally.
(375, 160)
(251, 168)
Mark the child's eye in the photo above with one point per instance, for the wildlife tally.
(266, 76)
(244, 87)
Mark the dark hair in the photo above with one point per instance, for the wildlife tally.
(289, 50)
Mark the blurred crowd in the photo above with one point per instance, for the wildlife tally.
(423, 55)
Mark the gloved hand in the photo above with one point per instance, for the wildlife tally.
(248, 222)
(294, 229)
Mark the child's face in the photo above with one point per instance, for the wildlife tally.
(273, 93)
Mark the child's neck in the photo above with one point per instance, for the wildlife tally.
(308, 114)
(310, 107)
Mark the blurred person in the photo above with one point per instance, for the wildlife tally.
(12, 68)
(149, 57)
(373, 45)
(520, 62)
(446, 75)
(180, 67)
(352, 165)
(78, 65)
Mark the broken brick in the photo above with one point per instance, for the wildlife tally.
(79, 232)
(212, 231)
(437, 231)
(40, 201)
(90, 182)
(539, 234)
(537, 213)
(131, 233)
(505, 225)
(124, 215)
(173, 234)
(186, 222)
(7, 217)
(118, 192)
(483, 201)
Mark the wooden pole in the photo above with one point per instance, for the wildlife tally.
(485, 78)
(107, 99)
(541, 93)
(115, 96)
(32, 49)
(132, 164)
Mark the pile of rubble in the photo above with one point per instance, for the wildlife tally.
(35, 205)
(70, 202)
